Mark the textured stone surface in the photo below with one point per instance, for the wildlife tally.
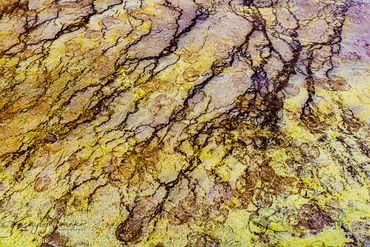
(184, 123)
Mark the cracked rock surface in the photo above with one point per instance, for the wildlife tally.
(184, 123)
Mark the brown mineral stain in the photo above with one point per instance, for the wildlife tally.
(92, 34)
(314, 218)
(56, 239)
(109, 21)
(46, 245)
(60, 208)
(129, 231)
(79, 203)
(202, 240)
(335, 83)
(41, 183)
(190, 74)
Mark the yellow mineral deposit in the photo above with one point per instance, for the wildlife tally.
(189, 123)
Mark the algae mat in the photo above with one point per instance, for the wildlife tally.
(184, 123)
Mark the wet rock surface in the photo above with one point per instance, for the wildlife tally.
(184, 123)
